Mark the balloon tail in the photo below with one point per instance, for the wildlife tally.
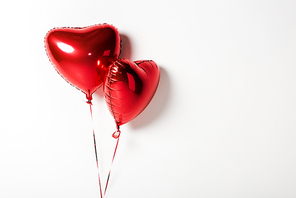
(95, 146)
(115, 135)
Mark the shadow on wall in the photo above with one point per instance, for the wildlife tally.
(99, 92)
(158, 103)
(126, 49)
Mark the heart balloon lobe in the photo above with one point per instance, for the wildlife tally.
(129, 87)
(82, 55)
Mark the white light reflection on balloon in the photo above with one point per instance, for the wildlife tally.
(65, 47)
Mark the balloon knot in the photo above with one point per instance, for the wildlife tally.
(116, 134)
(89, 102)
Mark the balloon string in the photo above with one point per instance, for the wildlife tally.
(116, 135)
(95, 147)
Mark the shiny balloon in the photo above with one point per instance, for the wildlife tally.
(129, 87)
(82, 55)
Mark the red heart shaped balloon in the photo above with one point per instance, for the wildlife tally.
(81, 55)
(129, 87)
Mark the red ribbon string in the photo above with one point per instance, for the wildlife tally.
(95, 147)
(116, 135)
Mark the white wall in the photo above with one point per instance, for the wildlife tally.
(222, 123)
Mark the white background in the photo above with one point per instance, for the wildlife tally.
(222, 122)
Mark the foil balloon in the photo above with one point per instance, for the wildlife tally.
(129, 87)
(82, 55)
